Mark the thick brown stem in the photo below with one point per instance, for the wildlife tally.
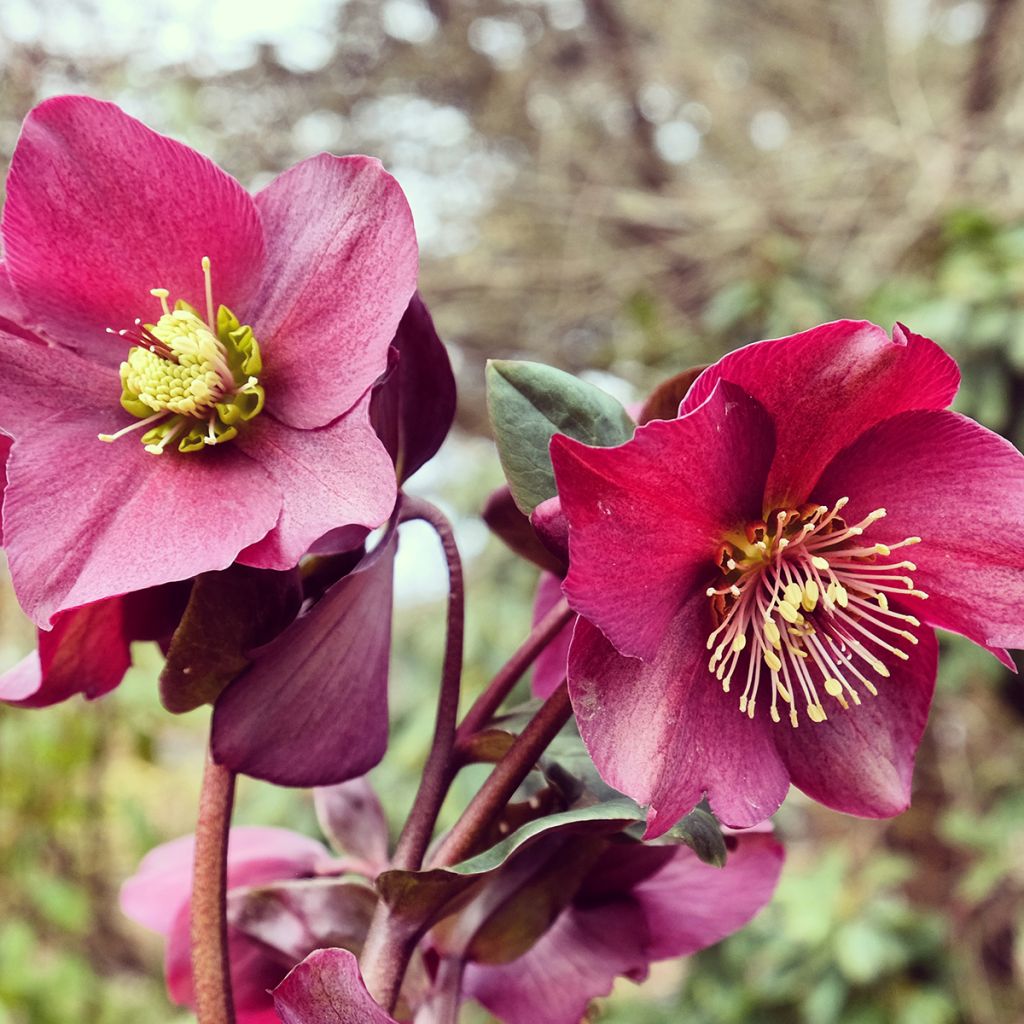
(211, 975)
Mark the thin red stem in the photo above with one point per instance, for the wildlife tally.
(211, 975)
(509, 674)
(505, 779)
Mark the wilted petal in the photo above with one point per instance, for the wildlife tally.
(960, 488)
(100, 209)
(664, 733)
(861, 761)
(351, 817)
(130, 509)
(647, 519)
(326, 988)
(312, 709)
(341, 269)
(823, 388)
(339, 475)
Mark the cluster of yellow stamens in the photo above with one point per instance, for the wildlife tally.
(805, 602)
(190, 381)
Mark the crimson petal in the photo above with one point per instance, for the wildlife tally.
(646, 519)
(825, 387)
(326, 988)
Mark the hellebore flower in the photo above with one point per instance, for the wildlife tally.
(271, 926)
(750, 613)
(237, 337)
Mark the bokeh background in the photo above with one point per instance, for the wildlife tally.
(622, 189)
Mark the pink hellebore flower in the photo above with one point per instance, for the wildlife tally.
(147, 297)
(750, 614)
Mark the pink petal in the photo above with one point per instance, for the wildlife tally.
(339, 475)
(312, 709)
(341, 269)
(647, 519)
(576, 960)
(5, 448)
(664, 733)
(825, 387)
(154, 895)
(326, 988)
(86, 652)
(40, 379)
(100, 209)
(125, 519)
(861, 761)
(550, 667)
(689, 905)
(958, 487)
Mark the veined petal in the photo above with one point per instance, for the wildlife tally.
(339, 475)
(664, 733)
(647, 519)
(823, 388)
(5, 450)
(960, 488)
(326, 988)
(100, 209)
(312, 709)
(124, 519)
(861, 761)
(341, 269)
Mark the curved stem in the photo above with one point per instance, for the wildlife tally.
(509, 674)
(419, 826)
(505, 779)
(211, 974)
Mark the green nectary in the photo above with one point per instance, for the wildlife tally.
(200, 386)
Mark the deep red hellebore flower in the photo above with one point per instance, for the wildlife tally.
(758, 577)
(245, 333)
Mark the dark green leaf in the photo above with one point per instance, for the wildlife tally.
(528, 403)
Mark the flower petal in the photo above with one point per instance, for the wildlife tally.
(646, 519)
(689, 905)
(341, 269)
(312, 709)
(825, 387)
(124, 519)
(351, 816)
(339, 475)
(664, 733)
(861, 761)
(413, 409)
(960, 488)
(576, 960)
(326, 988)
(162, 884)
(550, 667)
(41, 379)
(100, 209)
(86, 652)
(5, 450)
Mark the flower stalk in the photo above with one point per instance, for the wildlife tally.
(211, 976)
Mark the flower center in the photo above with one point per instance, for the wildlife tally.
(801, 592)
(187, 380)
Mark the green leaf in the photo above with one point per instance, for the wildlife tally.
(700, 831)
(228, 614)
(528, 404)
